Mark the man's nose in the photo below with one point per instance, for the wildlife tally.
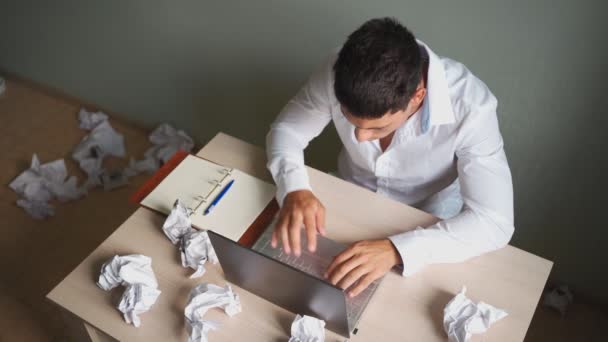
(362, 135)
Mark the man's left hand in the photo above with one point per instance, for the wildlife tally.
(364, 261)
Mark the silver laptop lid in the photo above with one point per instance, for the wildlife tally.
(282, 284)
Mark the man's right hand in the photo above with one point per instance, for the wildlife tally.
(299, 207)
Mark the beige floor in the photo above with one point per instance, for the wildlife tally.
(36, 255)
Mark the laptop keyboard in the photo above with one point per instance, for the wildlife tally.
(315, 264)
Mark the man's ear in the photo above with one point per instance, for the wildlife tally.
(419, 95)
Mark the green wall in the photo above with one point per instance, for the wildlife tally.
(207, 66)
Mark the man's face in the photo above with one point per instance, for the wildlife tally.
(372, 129)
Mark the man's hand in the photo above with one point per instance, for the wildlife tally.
(364, 261)
(299, 207)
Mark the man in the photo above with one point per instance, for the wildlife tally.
(416, 127)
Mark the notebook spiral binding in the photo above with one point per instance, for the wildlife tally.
(226, 172)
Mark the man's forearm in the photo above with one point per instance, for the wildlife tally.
(457, 239)
(286, 162)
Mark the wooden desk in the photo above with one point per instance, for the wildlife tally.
(403, 309)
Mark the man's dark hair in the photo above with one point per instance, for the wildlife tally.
(378, 69)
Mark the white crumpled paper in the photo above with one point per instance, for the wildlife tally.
(37, 209)
(105, 138)
(196, 250)
(195, 246)
(102, 141)
(43, 182)
(135, 167)
(178, 222)
(199, 329)
(202, 298)
(307, 329)
(137, 299)
(167, 140)
(88, 120)
(462, 317)
(135, 272)
(126, 270)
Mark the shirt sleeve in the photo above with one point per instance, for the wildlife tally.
(301, 120)
(486, 221)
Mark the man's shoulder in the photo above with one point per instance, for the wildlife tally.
(468, 94)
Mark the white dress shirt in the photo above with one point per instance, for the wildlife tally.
(446, 159)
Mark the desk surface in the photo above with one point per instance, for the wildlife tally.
(403, 309)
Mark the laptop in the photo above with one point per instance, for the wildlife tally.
(294, 283)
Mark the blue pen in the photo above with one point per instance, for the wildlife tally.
(218, 198)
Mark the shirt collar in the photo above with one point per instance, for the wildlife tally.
(437, 106)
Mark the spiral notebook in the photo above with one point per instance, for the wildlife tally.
(197, 182)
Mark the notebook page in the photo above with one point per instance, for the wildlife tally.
(239, 207)
(195, 177)
(192, 178)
